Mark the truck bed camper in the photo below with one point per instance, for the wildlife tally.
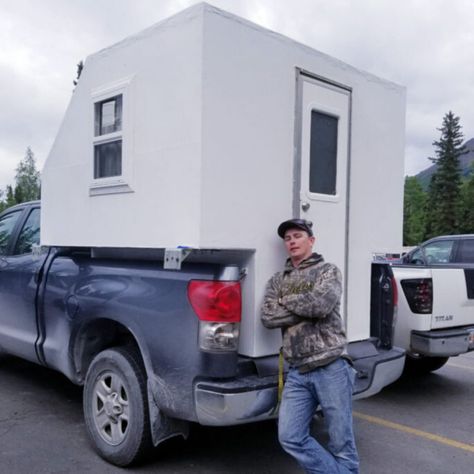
(182, 149)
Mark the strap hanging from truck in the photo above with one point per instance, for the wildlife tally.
(280, 381)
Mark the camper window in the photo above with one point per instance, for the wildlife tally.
(108, 116)
(108, 159)
(108, 125)
(323, 153)
(110, 130)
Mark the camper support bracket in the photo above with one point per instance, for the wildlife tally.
(175, 257)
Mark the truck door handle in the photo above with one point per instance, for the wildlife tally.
(305, 206)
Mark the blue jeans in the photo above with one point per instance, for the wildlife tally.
(331, 388)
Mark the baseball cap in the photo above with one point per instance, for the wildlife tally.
(302, 224)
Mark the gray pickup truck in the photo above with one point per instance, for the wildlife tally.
(154, 348)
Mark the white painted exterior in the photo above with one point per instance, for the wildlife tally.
(210, 109)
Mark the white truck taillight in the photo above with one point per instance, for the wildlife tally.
(218, 305)
(419, 294)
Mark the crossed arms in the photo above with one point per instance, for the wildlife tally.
(292, 298)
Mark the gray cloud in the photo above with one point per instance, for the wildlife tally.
(425, 45)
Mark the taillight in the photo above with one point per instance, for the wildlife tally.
(419, 294)
(218, 301)
(218, 305)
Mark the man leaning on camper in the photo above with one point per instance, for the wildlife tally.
(304, 301)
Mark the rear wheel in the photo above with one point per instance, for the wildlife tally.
(115, 406)
(423, 364)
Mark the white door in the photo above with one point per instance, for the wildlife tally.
(323, 165)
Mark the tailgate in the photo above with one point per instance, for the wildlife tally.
(453, 297)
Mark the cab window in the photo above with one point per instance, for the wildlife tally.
(30, 234)
(416, 257)
(7, 225)
(438, 252)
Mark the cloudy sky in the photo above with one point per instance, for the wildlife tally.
(425, 45)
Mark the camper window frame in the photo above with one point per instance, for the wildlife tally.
(330, 112)
(120, 183)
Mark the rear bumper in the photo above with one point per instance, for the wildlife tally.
(254, 398)
(240, 401)
(443, 343)
(376, 368)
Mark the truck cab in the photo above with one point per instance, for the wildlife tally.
(447, 249)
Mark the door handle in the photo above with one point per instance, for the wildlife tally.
(305, 206)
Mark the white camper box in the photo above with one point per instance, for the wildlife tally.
(215, 117)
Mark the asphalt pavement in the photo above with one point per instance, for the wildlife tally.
(417, 425)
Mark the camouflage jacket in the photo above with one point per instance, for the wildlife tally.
(305, 303)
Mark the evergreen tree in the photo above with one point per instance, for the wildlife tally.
(27, 179)
(10, 198)
(27, 183)
(414, 222)
(444, 192)
(6, 198)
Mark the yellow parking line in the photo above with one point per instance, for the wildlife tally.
(422, 434)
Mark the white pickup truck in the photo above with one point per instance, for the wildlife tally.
(435, 284)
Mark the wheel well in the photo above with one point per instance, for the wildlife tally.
(96, 337)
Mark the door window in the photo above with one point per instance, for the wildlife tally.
(7, 225)
(323, 153)
(416, 258)
(438, 252)
(30, 234)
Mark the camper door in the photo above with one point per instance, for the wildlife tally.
(322, 135)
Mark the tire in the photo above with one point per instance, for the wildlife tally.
(423, 364)
(116, 407)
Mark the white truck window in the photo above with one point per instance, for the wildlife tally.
(438, 252)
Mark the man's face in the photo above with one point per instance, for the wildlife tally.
(299, 244)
